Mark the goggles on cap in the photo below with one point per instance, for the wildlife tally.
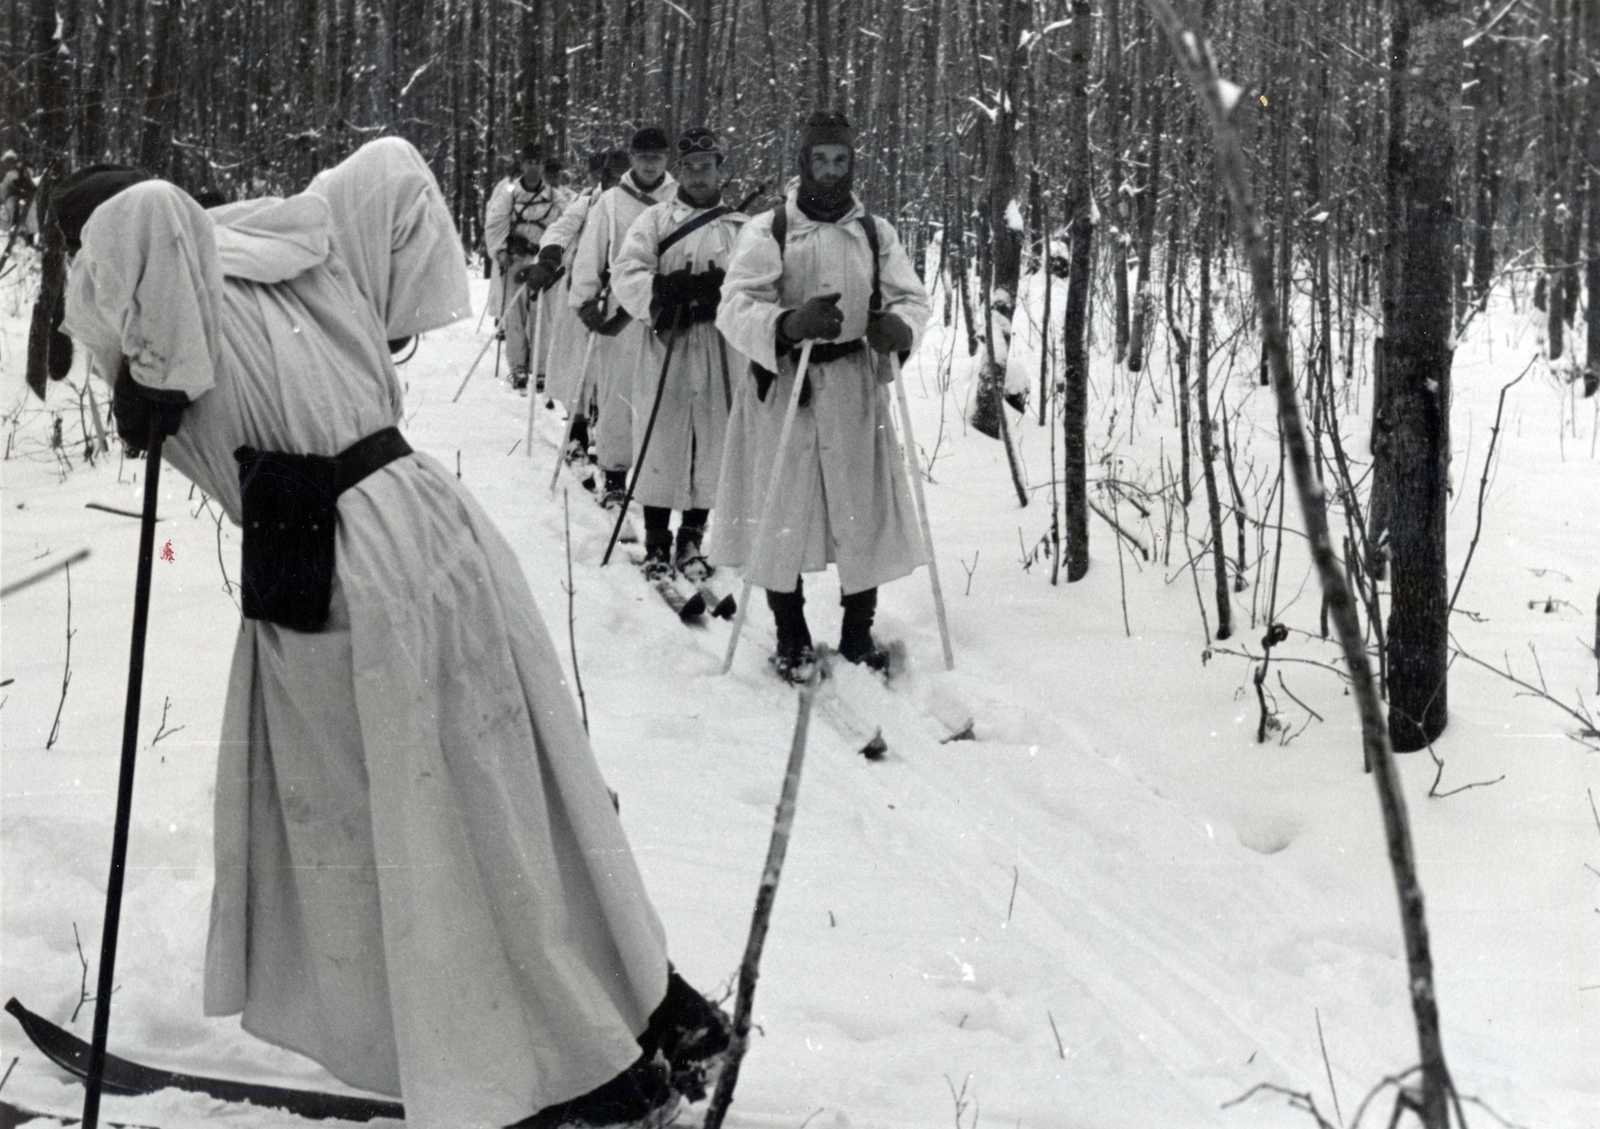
(704, 143)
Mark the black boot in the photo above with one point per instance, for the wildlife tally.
(657, 543)
(688, 558)
(616, 488)
(692, 1034)
(795, 658)
(855, 633)
(640, 1095)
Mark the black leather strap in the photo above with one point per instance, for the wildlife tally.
(364, 456)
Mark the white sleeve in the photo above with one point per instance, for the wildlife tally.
(633, 274)
(594, 254)
(497, 218)
(904, 296)
(750, 309)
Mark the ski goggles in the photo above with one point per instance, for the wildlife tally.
(703, 143)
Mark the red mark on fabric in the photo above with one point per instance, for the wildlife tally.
(166, 553)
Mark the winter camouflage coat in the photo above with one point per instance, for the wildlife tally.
(685, 455)
(843, 495)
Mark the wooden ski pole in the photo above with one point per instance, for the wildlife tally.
(573, 411)
(914, 467)
(644, 446)
(533, 371)
(481, 352)
(130, 745)
(749, 968)
(766, 505)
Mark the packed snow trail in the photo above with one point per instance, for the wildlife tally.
(1111, 863)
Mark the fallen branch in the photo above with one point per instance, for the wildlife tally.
(1483, 487)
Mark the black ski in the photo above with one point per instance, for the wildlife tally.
(71, 1053)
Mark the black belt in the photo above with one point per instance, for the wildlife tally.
(288, 505)
(364, 456)
(824, 351)
(821, 353)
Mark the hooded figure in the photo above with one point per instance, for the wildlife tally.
(566, 381)
(421, 881)
(840, 279)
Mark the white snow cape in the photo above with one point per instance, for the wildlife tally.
(420, 878)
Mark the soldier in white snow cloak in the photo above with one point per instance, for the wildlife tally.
(819, 267)
(421, 881)
(621, 340)
(566, 381)
(514, 223)
(669, 275)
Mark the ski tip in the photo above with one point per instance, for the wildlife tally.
(965, 733)
(693, 608)
(726, 607)
(875, 749)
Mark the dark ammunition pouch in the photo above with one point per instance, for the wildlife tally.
(289, 504)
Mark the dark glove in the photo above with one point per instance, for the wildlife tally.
(818, 319)
(518, 246)
(705, 295)
(670, 297)
(886, 333)
(593, 314)
(133, 407)
(542, 275)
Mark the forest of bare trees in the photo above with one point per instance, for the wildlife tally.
(1405, 159)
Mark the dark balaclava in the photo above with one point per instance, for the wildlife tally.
(826, 204)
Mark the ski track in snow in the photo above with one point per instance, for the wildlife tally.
(1113, 853)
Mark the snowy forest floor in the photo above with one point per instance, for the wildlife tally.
(1111, 909)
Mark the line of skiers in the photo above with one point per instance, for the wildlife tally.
(421, 879)
(659, 302)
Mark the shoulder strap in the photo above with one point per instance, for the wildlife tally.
(635, 193)
(869, 227)
(689, 227)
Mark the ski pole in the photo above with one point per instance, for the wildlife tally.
(914, 466)
(130, 744)
(644, 444)
(481, 352)
(533, 371)
(750, 966)
(572, 412)
(772, 493)
(44, 573)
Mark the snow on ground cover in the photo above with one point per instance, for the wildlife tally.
(1112, 909)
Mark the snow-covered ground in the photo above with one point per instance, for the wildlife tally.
(1112, 909)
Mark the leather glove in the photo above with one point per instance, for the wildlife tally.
(536, 276)
(542, 275)
(706, 294)
(817, 319)
(593, 314)
(133, 407)
(886, 333)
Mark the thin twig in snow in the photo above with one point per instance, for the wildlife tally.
(66, 676)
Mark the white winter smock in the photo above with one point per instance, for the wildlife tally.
(615, 359)
(515, 213)
(569, 337)
(420, 878)
(843, 495)
(679, 471)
